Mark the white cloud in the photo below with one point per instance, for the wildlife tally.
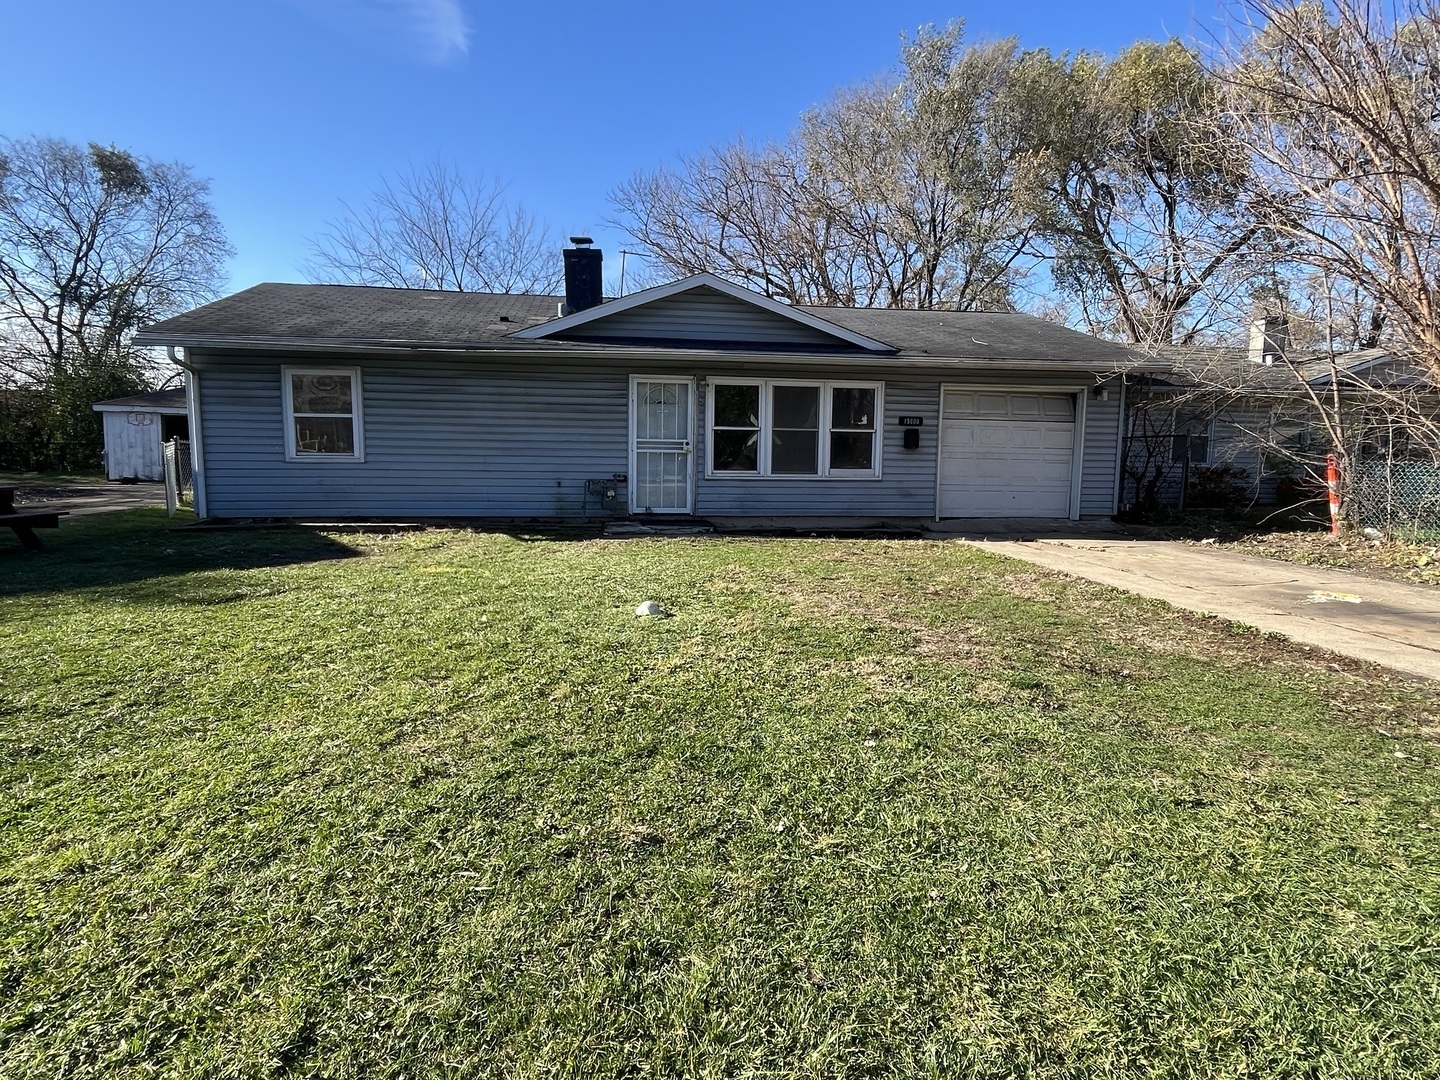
(439, 27)
(436, 31)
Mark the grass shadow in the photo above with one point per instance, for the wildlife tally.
(105, 550)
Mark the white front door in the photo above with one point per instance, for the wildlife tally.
(661, 426)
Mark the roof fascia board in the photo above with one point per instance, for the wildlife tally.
(626, 353)
(675, 288)
(167, 410)
(629, 354)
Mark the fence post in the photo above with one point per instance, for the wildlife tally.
(172, 478)
(1332, 482)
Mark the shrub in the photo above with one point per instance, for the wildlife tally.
(1218, 487)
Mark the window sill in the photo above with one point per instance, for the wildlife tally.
(804, 477)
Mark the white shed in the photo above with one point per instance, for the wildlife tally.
(135, 428)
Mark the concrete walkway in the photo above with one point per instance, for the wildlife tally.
(1367, 618)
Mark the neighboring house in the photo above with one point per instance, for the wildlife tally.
(135, 428)
(1253, 411)
(693, 398)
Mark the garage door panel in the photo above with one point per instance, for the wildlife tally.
(1058, 437)
(1058, 407)
(970, 405)
(1006, 455)
(1024, 406)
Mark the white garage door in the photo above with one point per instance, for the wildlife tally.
(1006, 454)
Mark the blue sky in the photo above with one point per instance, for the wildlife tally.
(290, 106)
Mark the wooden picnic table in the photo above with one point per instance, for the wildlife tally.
(24, 522)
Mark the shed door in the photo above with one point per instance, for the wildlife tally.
(661, 468)
(1006, 454)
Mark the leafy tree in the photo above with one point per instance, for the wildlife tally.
(94, 242)
(434, 228)
(1140, 191)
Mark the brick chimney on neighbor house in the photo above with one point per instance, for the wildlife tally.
(582, 276)
(1269, 337)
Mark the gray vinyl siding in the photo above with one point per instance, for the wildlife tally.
(1101, 454)
(1237, 436)
(442, 439)
(703, 315)
(907, 484)
(906, 487)
(1234, 445)
(448, 436)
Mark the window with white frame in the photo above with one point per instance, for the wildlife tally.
(1191, 439)
(322, 414)
(775, 427)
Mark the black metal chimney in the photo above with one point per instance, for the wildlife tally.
(582, 275)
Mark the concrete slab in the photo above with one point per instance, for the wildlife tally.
(949, 528)
(1025, 529)
(1384, 622)
(78, 500)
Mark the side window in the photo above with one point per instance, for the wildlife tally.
(322, 414)
(1191, 440)
(735, 434)
(852, 429)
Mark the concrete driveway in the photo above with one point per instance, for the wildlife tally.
(78, 500)
(1366, 618)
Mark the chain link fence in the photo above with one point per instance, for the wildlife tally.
(179, 477)
(1399, 497)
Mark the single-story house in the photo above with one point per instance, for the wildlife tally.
(694, 398)
(1256, 413)
(135, 429)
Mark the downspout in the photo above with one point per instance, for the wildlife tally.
(1120, 440)
(197, 442)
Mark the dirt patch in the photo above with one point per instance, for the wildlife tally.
(1392, 560)
(938, 642)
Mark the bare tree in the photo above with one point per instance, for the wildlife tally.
(896, 194)
(1338, 103)
(94, 242)
(433, 228)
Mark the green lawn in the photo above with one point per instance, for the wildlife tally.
(285, 803)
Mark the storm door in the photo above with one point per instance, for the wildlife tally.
(661, 425)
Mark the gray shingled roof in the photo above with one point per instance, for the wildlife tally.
(173, 398)
(988, 335)
(1233, 370)
(357, 313)
(340, 315)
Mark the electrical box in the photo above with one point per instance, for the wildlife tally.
(607, 494)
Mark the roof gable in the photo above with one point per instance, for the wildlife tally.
(706, 310)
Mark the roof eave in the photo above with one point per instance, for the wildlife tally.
(625, 352)
(164, 410)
